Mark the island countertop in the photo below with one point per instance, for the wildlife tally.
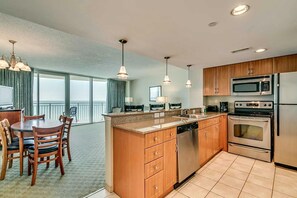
(157, 124)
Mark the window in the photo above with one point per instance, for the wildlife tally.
(99, 99)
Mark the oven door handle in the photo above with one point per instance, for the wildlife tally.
(247, 119)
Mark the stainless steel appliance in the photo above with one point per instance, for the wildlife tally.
(187, 150)
(285, 132)
(250, 129)
(223, 106)
(258, 85)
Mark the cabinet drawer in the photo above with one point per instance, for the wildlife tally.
(153, 153)
(154, 185)
(169, 134)
(208, 122)
(152, 139)
(153, 167)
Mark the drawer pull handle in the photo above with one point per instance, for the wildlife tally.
(156, 167)
(156, 153)
(155, 139)
(171, 134)
(156, 188)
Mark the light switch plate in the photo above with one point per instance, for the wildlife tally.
(156, 115)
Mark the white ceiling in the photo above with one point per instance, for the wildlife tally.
(154, 29)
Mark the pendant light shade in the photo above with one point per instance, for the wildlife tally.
(123, 75)
(166, 80)
(189, 83)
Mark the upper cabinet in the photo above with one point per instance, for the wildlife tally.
(285, 64)
(216, 81)
(252, 68)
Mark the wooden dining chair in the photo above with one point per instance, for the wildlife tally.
(47, 144)
(66, 134)
(10, 146)
(36, 117)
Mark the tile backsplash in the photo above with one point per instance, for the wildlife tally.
(215, 100)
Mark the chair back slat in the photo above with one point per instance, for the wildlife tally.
(6, 128)
(47, 137)
(37, 117)
(3, 138)
(67, 125)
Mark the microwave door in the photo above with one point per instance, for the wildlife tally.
(246, 88)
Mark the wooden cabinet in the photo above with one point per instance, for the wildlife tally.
(216, 81)
(209, 85)
(170, 164)
(252, 68)
(145, 165)
(285, 64)
(223, 132)
(13, 116)
(210, 137)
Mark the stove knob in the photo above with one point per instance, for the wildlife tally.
(265, 105)
(240, 104)
(269, 105)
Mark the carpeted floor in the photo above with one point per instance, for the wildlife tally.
(83, 175)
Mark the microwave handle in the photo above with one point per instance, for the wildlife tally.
(260, 88)
(246, 119)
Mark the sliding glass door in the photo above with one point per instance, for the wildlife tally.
(99, 99)
(51, 92)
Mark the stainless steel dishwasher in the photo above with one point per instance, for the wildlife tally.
(187, 150)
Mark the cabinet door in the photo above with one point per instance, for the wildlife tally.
(240, 70)
(215, 138)
(209, 75)
(170, 167)
(202, 146)
(223, 133)
(223, 81)
(209, 142)
(285, 64)
(261, 67)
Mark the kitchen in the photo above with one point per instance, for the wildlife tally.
(220, 47)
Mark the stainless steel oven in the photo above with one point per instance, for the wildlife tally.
(258, 85)
(250, 129)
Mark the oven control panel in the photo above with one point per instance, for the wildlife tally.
(253, 104)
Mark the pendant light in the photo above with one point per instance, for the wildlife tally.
(188, 83)
(166, 80)
(123, 75)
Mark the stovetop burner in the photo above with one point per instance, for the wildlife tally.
(253, 108)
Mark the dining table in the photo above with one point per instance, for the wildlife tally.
(25, 129)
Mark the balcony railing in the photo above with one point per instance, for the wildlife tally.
(53, 110)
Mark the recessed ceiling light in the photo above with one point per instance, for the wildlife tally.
(261, 50)
(240, 10)
(212, 24)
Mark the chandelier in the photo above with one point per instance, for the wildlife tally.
(13, 63)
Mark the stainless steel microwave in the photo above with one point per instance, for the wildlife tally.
(252, 86)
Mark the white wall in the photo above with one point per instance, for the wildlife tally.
(176, 91)
(196, 91)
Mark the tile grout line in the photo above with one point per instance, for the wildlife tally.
(273, 181)
(247, 179)
(221, 176)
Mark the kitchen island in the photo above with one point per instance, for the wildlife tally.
(141, 149)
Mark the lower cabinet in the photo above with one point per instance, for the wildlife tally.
(210, 138)
(145, 166)
(170, 164)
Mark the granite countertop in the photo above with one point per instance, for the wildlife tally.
(153, 125)
(138, 112)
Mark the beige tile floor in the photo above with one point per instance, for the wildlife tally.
(228, 175)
